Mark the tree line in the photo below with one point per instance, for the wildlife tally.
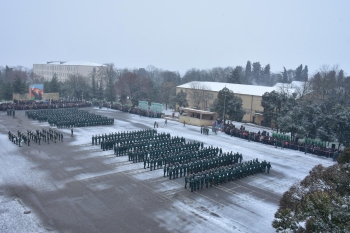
(150, 83)
(320, 108)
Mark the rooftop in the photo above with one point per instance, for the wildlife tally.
(71, 63)
(241, 88)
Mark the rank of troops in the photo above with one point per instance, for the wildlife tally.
(17, 138)
(46, 104)
(123, 142)
(199, 161)
(11, 112)
(283, 143)
(37, 136)
(68, 118)
(132, 110)
(225, 174)
(200, 165)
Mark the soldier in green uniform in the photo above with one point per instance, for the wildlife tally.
(268, 167)
(191, 184)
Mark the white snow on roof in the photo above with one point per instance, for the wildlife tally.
(71, 63)
(236, 88)
(240, 88)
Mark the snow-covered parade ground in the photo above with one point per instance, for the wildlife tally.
(74, 186)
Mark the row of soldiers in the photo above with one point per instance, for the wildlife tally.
(127, 136)
(199, 165)
(45, 135)
(124, 145)
(36, 136)
(281, 142)
(16, 139)
(47, 104)
(68, 118)
(202, 159)
(225, 174)
(11, 112)
(161, 149)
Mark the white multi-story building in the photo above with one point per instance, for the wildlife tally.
(63, 69)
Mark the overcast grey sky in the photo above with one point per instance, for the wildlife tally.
(177, 35)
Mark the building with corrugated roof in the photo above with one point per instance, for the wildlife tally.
(201, 95)
(64, 68)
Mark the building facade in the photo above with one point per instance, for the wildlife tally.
(201, 95)
(64, 69)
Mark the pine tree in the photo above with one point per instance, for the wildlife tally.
(267, 75)
(256, 72)
(18, 85)
(235, 76)
(299, 73)
(229, 104)
(7, 90)
(180, 99)
(284, 76)
(305, 74)
(248, 73)
(54, 87)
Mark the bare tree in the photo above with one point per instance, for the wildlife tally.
(108, 75)
(198, 90)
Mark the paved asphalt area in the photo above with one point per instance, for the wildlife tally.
(88, 190)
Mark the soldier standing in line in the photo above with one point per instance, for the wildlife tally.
(191, 184)
(170, 172)
(268, 167)
(186, 181)
(93, 139)
(28, 141)
(71, 131)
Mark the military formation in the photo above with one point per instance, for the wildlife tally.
(201, 166)
(205, 159)
(224, 174)
(45, 135)
(44, 104)
(68, 118)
